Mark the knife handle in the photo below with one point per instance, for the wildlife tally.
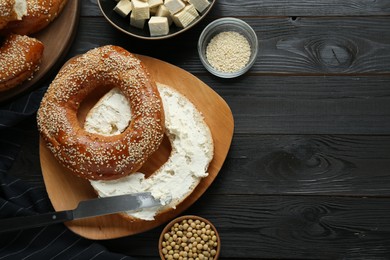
(44, 219)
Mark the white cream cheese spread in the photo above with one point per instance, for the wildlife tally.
(110, 116)
(192, 151)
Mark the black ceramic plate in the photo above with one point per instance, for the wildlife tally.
(123, 23)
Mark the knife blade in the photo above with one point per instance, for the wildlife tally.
(85, 209)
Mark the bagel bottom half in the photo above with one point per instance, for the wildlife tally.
(192, 150)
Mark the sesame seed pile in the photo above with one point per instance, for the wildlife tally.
(18, 59)
(228, 51)
(94, 156)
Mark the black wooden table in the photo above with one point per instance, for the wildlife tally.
(308, 172)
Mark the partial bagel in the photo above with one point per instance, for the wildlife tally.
(94, 156)
(20, 57)
(11, 10)
(40, 13)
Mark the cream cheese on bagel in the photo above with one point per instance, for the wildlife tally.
(192, 151)
(111, 116)
(11, 10)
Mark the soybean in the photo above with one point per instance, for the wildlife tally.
(190, 238)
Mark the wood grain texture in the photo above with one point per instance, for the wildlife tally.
(306, 46)
(286, 227)
(284, 8)
(307, 165)
(307, 104)
(323, 45)
(281, 165)
(303, 8)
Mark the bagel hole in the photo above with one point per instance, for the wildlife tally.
(158, 158)
(155, 161)
(90, 101)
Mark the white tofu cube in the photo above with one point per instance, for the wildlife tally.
(155, 3)
(153, 10)
(174, 6)
(185, 16)
(158, 26)
(140, 10)
(138, 23)
(123, 8)
(200, 5)
(164, 12)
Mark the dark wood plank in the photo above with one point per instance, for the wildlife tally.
(302, 8)
(354, 165)
(306, 165)
(253, 227)
(281, 165)
(307, 105)
(90, 8)
(323, 45)
(306, 46)
(283, 8)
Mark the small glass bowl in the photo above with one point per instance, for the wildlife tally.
(224, 25)
(178, 232)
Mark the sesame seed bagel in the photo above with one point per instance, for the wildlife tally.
(6, 12)
(40, 13)
(20, 57)
(90, 155)
(11, 10)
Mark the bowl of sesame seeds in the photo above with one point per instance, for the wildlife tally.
(189, 237)
(228, 47)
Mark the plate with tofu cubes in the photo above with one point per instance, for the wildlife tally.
(154, 19)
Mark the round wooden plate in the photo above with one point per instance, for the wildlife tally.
(66, 191)
(57, 38)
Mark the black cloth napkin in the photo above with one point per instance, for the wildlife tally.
(21, 198)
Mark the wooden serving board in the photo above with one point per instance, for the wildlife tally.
(66, 191)
(57, 38)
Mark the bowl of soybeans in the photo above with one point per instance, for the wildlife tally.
(189, 237)
(228, 47)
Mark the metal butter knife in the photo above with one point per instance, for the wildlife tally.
(85, 209)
